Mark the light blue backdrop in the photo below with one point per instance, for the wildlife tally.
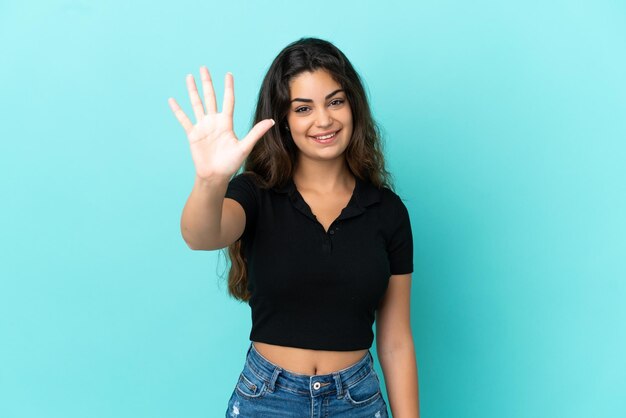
(505, 129)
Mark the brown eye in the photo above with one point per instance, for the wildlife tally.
(337, 102)
(302, 109)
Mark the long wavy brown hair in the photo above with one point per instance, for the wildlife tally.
(273, 159)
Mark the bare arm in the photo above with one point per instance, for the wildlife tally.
(396, 352)
(209, 220)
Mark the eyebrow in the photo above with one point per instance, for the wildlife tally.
(328, 96)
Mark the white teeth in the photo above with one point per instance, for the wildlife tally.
(321, 138)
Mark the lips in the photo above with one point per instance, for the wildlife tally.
(325, 137)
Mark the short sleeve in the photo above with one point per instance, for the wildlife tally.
(400, 245)
(243, 189)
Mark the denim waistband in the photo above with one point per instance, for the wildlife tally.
(313, 385)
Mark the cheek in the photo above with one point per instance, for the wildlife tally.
(348, 121)
(349, 128)
(299, 127)
(346, 117)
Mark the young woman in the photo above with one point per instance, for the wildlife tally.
(320, 245)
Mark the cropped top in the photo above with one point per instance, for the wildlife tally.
(318, 289)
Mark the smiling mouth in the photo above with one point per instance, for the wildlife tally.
(325, 138)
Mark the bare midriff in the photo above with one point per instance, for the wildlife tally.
(306, 361)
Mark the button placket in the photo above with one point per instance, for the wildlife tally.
(334, 227)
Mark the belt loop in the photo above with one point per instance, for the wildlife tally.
(273, 379)
(339, 385)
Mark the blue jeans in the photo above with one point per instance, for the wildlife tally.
(266, 390)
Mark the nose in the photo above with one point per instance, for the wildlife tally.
(324, 119)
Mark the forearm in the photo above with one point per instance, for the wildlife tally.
(400, 371)
(202, 214)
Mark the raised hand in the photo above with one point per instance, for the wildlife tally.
(215, 150)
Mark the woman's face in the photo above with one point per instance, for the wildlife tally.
(319, 116)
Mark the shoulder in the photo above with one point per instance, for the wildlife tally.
(394, 212)
(245, 177)
(390, 200)
(248, 179)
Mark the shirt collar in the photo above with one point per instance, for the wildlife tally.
(365, 193)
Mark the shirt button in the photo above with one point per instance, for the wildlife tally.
(331, 232)
(316, 385)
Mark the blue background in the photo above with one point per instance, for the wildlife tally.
(504, 125)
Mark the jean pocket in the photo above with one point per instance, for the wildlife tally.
(250, 385)
(365, 391)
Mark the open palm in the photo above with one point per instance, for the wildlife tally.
(215, 150)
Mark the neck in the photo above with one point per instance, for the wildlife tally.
(323, 176)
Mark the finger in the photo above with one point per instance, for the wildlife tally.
(228, 105)
(256, 133)
(207, 89)
(180, 115)
(196, 103)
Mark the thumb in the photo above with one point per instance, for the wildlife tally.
(256, 133)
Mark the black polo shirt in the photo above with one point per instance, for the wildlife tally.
(318, 289)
